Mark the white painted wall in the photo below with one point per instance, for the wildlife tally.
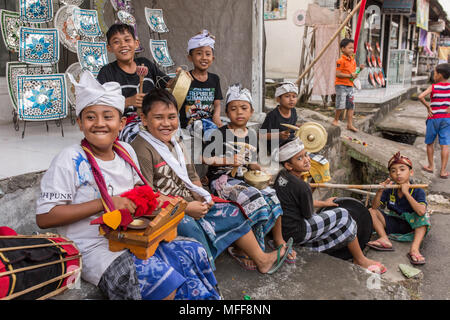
(283, 43)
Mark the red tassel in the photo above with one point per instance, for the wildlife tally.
(144, 198)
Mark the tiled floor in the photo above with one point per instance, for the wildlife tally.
(36, 150)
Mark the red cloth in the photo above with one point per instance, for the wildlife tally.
(7, 231)
(362, 8)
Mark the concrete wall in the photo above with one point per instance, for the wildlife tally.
(283, 39)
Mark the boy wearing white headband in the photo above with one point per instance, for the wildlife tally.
(315, 231)
(201, 108)
(214, 222)
(72, 196)
(223, 155)
(286, 96)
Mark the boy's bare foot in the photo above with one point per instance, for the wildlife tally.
(444, 175)
(427, 169)
(371, 265)
(335, 123)
(352, 128)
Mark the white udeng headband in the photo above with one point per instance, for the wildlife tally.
(285, 88)
(236, 92)
(90, 92)
(290, 149)
(204, 39)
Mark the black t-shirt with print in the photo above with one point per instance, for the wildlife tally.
(222, 144)
(273, 122)
(129, 82)
(199, 102)
(296, 200)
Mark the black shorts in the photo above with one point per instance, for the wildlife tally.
(396, 225)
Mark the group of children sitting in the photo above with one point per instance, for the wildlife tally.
(86, 179)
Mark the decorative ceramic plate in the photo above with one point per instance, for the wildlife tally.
(126, 17)
(38, 46)
(75, 69)
(68, 34)
(10, 23)
(36, 10)
(155, 20)
(160, 53)
(92, 55)
(86, 22)
(72, 2)
(41, 97)
(14, 68)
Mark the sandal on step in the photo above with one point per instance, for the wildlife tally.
(411, 257)
(240, 259)
(271, 244)
(379, 246)
(280, 261)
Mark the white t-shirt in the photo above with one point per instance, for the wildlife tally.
(69, 180)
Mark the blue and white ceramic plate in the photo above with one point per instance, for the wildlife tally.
(92, 55)
(86, 22)
(155, 20)
(10, 24)
(38, 46)
(160, 53)
(35, 11)
(15, 68)
(42, 97)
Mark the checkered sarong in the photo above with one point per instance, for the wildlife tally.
(119, 281)
(328, 229)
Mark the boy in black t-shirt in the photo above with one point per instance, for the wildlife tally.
(315, 231)
(200, 111)
(286, 95)
(122, 43)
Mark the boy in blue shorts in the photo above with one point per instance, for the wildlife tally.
(406, 217)
(438, 122)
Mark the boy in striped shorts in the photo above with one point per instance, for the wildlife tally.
(317, 231)
(438, 122)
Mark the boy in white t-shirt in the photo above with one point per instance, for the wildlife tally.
(71, 197)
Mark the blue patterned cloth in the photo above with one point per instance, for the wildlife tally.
(180, 265)
(223, 224)
(261, 206)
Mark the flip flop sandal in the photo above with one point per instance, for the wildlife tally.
(239, 259)
(414, 262)
(377, 268)
(281, 261)
(443, 177)
(380, 246)
(272, 246)
(427, 170)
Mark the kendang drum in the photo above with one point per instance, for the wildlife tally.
(37, 266)
(363, 220)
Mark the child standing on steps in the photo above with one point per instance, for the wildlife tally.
(438, 122)
(345, 73)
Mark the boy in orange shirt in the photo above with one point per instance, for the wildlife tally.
(345, 74)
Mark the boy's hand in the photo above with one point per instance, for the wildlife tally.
(197, 209)
(285, 134)
(354, 75)
(124, 203)
(135, 100)
(238, 160)
(330, 202)
(405, 187)
(362, 66)
(448, 110)
(430, 111)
